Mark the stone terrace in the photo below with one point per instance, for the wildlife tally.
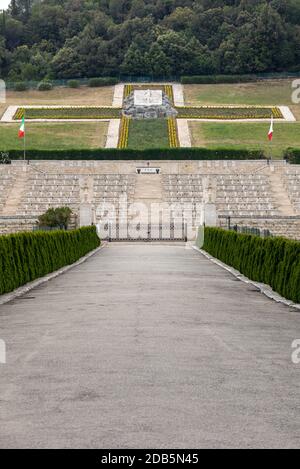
(250, 192)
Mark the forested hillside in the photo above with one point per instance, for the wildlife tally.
(85, 38)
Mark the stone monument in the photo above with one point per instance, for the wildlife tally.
(148, 104)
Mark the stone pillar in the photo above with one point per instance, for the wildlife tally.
(86, 214)
(210, 214)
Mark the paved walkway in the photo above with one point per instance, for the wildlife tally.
(148, 346)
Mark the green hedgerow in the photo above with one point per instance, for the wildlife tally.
(27, 256)
(274, 261)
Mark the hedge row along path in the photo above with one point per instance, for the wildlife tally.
(27, 256)
(108, 353)
(273, 261)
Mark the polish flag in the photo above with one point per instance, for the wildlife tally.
(22, 129)
(270, 134)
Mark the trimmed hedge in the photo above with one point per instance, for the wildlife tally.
(45, 85)
(20, 86)
(274, 261)
(129, 154)
(292, 155)
(216, 79)
(73, 84)
(102, 81)
(27, 256)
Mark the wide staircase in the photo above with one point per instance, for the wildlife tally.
(291, 181)
(247, 193)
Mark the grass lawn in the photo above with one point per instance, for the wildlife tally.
(146, 133)
(271, 92)
(245, 135)
(54, 136)
(83, 96)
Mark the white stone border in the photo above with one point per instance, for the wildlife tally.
(118, 95)
(9, 114)
(183, 132)
(36, 283)
(287, 114)
(262, 287)
(112, 137)
(178, 93)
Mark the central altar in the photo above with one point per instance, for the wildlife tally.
(148, 98)
(148, 104)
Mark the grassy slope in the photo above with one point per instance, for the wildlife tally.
(267, 92)
(241, 135)
(250, 135)
(54, 136)
(83, 96)
(148, 134)
(277, 92)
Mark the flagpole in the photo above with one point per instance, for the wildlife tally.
(270, 135)
(24, 139)
(271, 146)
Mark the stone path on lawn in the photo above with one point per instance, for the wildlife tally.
(113, 133)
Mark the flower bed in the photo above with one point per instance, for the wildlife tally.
(68, 113)
(127, 91)
(124, 132)
(172, 131)
(228, 112)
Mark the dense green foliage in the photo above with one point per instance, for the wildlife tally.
(20, 86)
(27, 256)
(274, 261)
(45, 85)
(56, 217)
(76, 38)
(131, 154)
(105, 81)
(292, 155)
(216, 79)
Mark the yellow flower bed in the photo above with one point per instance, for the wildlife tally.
(19, 114)
(172, 131)
(168, 89)
(229, 112)
(124, 132)
(127, 90)
(68, 112)
(277, 113)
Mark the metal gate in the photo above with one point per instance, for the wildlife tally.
(173, 231)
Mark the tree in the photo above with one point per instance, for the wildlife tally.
(3, 56)
(20, 9)
(135, 62)
(158, 62)
(56, 217)
(103, 37)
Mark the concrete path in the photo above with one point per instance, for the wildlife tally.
(113, 131)
(184, 135)
(148, 346)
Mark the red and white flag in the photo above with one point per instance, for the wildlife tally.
(271, 131)
(22, 129)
